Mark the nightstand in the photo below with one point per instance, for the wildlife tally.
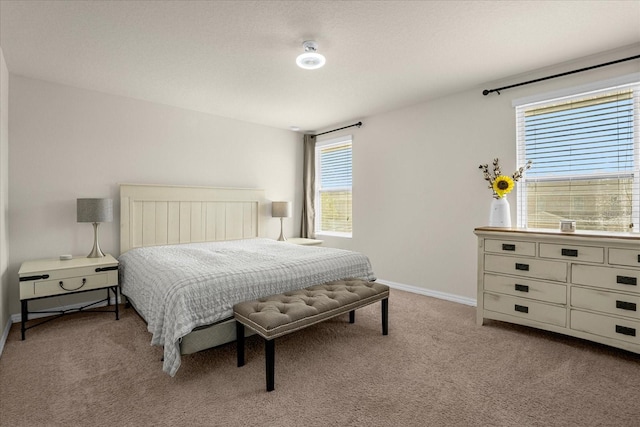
(48, 278)
(304, 241)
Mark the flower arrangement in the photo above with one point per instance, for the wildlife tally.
(502, 185)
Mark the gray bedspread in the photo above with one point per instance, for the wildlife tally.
(177, 288)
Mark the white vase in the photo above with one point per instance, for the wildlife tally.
(500, 214)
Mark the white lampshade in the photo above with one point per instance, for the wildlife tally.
(281, 209)
(95, 210)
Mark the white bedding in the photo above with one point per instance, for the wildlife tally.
(177, 288)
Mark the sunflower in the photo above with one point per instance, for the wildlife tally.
(502, 185)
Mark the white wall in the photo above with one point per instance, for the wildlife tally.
(4, 189)
(418, 192)
(68, 143)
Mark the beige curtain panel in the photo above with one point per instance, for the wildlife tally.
(307, 228)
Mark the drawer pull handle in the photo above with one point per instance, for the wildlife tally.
(522, 308)
(570, 252)
(522, 267)
(625, 280)
(624, 305)
(30, 278)
(84, 281)
(522, 288)
(99, 269)
(626, 331)
(638, 258)
(508, 247)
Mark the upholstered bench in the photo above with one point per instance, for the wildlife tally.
(278, 315)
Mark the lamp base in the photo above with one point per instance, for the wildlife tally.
(96, 252)
(281, 238)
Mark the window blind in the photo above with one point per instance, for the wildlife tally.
(585, 161)
(334, 187)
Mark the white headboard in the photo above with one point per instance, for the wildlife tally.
(152, 215)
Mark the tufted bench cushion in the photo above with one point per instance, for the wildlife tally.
(278, 315)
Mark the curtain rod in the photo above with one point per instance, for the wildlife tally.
(335, 130)
(488, 91)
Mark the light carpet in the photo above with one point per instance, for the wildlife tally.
(435, 368)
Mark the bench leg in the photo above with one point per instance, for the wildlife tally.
(240, 343)
(270, 353)
(385, 316)
(352, 316)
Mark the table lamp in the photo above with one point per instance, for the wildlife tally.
(95, 211)
(281, 210)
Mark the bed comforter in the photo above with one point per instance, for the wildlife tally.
(178, 288)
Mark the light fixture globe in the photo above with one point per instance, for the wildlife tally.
(310, 59)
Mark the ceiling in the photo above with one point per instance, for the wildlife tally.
(236, 59)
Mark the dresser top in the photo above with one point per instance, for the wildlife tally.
(515, 232)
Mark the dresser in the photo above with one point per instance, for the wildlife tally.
(583, 284)
(46, 278)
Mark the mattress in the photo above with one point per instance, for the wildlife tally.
(177, 288)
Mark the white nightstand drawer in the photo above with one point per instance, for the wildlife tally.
(511, 247)
(606, 326)
(534, 268)
(72, 281)
(605, 301)
(526, 288)
(628, 257)
(70, 284)
(572, 253)
(525, 308)
(606, 277)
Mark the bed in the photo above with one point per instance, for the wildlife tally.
(188, 254)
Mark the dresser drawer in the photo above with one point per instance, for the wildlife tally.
(511, 247)
(606, 301)
(534, 268)
(570, 252)
(526, 288)
(627, 257)
(605, 326)
(618, 279)
(526, 309)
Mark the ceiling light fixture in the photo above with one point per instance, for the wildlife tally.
(310, 59)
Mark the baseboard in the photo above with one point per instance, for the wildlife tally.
(430, 293)
(5, 334)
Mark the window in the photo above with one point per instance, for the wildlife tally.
(333, 187)
(585, 153)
